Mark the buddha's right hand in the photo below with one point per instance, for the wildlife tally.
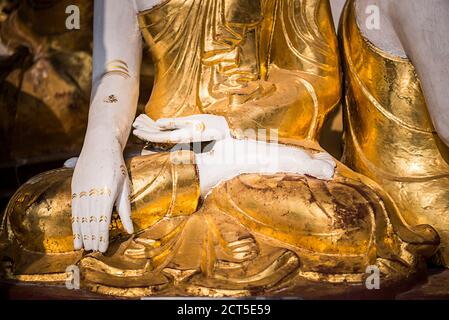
(194, 128)
(99, 182)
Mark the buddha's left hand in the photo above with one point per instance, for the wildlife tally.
(196, 128)
(232, 157)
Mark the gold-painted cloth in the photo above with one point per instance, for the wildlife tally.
(39, 215)
(265, 64)
(252, 233)
(389, 134)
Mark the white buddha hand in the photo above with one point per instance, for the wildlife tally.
(196, 128)
(231, 157)
(99, 182)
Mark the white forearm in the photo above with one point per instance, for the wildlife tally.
(113, 108)
(231, 157)
(116, 67)
(100, 169)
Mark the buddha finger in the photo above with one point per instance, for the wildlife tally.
(171, 123)
(324, 156)
(85, 229)
(76, 228)
(93, 221)
(103, 241)
(146, 121)
(101, 207)
(104, 221)
(124, 207)
(144, 125)
(142, 135)
(176, 136)
(321, 169)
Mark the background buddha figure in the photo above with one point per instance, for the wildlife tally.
(44, 87)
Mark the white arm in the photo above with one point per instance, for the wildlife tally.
(100, 179)
(117, 47)
(423, 29)
(230, 158)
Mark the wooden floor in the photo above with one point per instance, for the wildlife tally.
(436, 287)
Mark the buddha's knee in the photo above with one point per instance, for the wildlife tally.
(38, 215)
(335, 227)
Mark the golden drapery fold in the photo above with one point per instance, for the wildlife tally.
(389, 134)
(261, 64)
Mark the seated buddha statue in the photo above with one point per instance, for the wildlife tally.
(243, 215)
(397, 118)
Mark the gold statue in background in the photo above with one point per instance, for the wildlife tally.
(45, 82)
(268, 64)
(389, 134)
